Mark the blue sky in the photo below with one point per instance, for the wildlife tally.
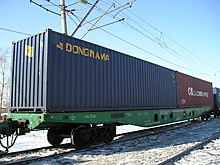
(194, 25)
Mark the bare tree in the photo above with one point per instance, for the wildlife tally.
(4, 77)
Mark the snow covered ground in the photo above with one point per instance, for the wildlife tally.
(37, 139)
(145, 150)
(209, 155)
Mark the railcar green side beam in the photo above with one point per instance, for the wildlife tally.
(20, 123)
(144, 118)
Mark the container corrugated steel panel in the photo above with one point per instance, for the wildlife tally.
(58, 73)
(29, 72)
(216, 94)
(193, 92)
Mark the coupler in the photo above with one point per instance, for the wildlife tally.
(10, 130)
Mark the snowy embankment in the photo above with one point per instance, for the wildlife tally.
(37, 139)
(209, 155)
(151, 149)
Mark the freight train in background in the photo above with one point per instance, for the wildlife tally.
(82, 91)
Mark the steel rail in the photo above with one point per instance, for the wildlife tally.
(128, 136)
(187, 151)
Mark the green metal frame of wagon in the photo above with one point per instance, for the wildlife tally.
(62, 125)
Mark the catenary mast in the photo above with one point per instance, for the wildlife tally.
(63, 16)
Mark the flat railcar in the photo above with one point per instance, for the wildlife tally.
(80, 90)
(216, 107)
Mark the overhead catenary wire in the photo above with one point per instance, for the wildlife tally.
(87, 14)
(72, 4)
(144, 50)
(112, 5)
(15, 31)
(120, 7)
(153, 54)
(53, 3)
(107, 24)
(160, 42)
(31, 1)
(188, 51)
(72, 19)
(156, 29)
(67, 6)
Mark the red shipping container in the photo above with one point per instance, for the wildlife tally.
(193, 92)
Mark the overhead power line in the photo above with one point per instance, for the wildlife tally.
(14, 31)
(87, 14)
(52, 3)
(31, 1)
(162, 42)
(159, 41)
(156, 29)
(144, 50)
(152, 53)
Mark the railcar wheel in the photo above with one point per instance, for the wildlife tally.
(53, 138)
(203, 117)
(110, 134)
(108, 140)
(80, 138)
(208, 116)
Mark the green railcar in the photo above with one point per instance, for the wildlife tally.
(85, 128)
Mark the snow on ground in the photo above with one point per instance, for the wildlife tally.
(209, 155)
(150, 149)
(34, 139)
(37, 139)
(145, 150)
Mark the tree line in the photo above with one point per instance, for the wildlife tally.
(5, 71)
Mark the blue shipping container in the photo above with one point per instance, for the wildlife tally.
(216, 94)
(53, 72)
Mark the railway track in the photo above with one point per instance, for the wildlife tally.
(180, 155)
(29, 156)
(4, 153)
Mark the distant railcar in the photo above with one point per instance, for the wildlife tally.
(193, 92)
(216, 94)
